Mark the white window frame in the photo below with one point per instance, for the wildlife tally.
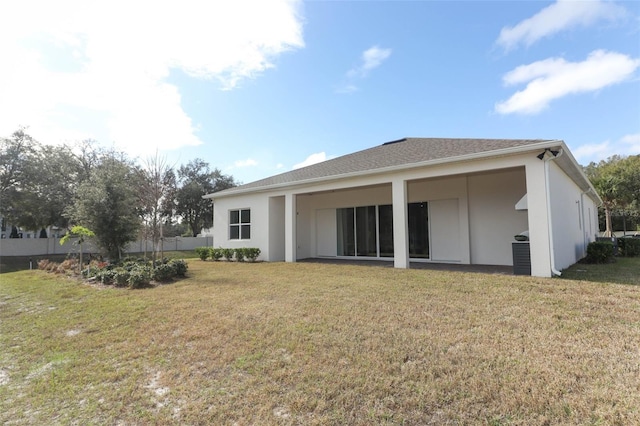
(240, 224)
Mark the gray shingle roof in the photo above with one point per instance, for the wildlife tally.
(391, 154)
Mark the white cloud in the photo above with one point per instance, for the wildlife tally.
(370, 59)
(562, 15)
(627, 145)
(632, 139)
(91, 69)
(349, 88)
(591, 151)
(631, 144)
(554, 78)
(312, 159)
(249, 162)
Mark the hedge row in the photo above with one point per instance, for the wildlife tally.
(238, 254)
(600, 252)
(603, 251)
(629, 247)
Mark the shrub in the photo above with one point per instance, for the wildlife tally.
(91, 271)
(227, 253)
(95, 269)
(252, 253)
(140, 277)
(43, 264)
(164, 272)
(203, 252)
(170, 270)
(121, 277)
(132, 272)
(69, 264)
(600, 252)
(132, 263)
(239, 252)
(216, 253)
(105, 276)
(52, 266)
(179, 266)
(629, 247)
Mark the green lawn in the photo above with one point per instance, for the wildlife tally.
(625, 270)
(305, 343)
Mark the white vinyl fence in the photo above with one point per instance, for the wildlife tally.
(50, 246)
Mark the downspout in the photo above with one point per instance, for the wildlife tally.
(585, 231)
(552, 254)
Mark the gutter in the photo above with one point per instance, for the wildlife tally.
(552, 255)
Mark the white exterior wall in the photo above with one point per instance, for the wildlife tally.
(259, 205)
(276, 250)
(537, 214)
(591, 226)
(492, 215)
(569, 209)
(448, 216)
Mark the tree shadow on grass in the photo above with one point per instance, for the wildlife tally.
(625, 270)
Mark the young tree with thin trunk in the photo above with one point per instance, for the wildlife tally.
(157, 183)
(82, 234)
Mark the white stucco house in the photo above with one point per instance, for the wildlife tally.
(420, 200)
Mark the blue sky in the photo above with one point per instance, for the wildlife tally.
(257, 88)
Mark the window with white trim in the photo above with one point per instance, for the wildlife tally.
(240, 224)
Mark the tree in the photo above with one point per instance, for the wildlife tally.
(82, 233)
(16, 168)
(88, 156)
(157, 183)
(631, 173)
(197, 180)
(37, 182)
(107, 203)
(617, 181)
(49, 192)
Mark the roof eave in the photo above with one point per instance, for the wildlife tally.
(468, 157)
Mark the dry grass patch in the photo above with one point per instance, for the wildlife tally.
(277, 343)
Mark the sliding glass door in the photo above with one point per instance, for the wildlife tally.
(368, 231)
(345, 224)
(357, 235)
(385, 230)
(366, 235)
(418, 230)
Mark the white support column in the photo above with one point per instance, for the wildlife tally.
(400, 224)
(539, 243)
(290, 219)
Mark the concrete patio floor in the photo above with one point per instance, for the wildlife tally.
(485, 269)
